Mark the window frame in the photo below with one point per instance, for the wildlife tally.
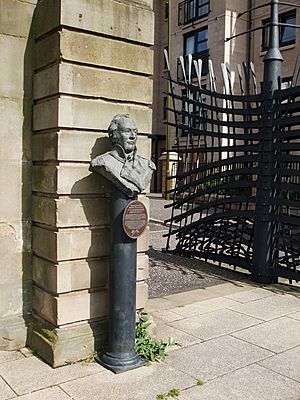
(183, 8)
(282, 19)
(195, 35)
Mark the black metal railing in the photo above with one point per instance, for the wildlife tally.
(219, 191)
(191, 10)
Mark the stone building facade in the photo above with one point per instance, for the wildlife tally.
(67, 67)
(200, 27)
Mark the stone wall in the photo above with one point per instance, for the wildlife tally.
(16, 44)
(92, 59)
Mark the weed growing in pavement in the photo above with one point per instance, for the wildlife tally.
(173, 393)
(146, 346)
(200, 382)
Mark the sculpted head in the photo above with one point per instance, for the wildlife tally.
(122, 131)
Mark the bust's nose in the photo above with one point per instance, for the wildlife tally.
(133, 134)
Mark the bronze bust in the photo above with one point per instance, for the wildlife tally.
(129, 172)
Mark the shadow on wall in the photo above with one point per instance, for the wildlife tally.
(93, 192)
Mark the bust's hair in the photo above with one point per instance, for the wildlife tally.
(114, 124)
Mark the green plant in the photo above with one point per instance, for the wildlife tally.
(146, 346)
(173, 393)
(200, 382)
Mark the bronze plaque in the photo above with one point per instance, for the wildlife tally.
(135, 219)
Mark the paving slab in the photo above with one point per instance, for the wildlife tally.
(31, 374)
(251, 295)
(295, 315)
(183, 339)
(286, 363)
(216, 357)
(53, 393)
(5, 391)
(203, 307)
(141, 384)
(166, 316)
(270, 307)
(213, 324)
(250, 383)
(159, 303)
(221, 290)
(277, 335)
(10, 356)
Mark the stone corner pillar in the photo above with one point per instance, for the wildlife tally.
(85, 72)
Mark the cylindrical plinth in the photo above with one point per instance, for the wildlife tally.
(121, 355)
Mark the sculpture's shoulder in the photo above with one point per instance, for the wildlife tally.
(145, 162)
(101, 160)
(106, 161)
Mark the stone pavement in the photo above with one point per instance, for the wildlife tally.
(238, 341)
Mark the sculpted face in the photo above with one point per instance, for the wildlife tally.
(126, 135)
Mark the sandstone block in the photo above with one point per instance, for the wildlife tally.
(78, 146)
(117, 19)
(13, 333)
(103, 51)
(11, 191)
(76, 179)
(46, 82)
(71, 307)
(142, 267)
(87, 81)
(47, 16)
(93, 50)
(78, 306)
(141, 295)
(45, 115)
(15, 299)
(70, 276)
(15, 17)
(70, 212)
(11, 120)
(12, 53)
(46, 51)
(86, 114)
(143, 241)
(10, 255)
(44, 210)
(59, 346)
(67, 179)
(44, 178)
(70, 244)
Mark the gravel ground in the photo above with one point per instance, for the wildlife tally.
(170, 273)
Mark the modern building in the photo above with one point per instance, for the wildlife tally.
(200, 27)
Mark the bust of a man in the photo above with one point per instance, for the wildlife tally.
(129, 172)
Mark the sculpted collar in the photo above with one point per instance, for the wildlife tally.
(120, 154)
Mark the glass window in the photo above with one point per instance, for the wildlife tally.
(196, 42)
(166, 9)
(191, 10)
(287, 34)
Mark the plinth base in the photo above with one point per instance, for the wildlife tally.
(121, 363)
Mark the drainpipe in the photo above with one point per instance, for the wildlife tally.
(249, 44)
(168, 139)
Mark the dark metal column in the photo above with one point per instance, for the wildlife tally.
(264, 228)
(121, 355)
